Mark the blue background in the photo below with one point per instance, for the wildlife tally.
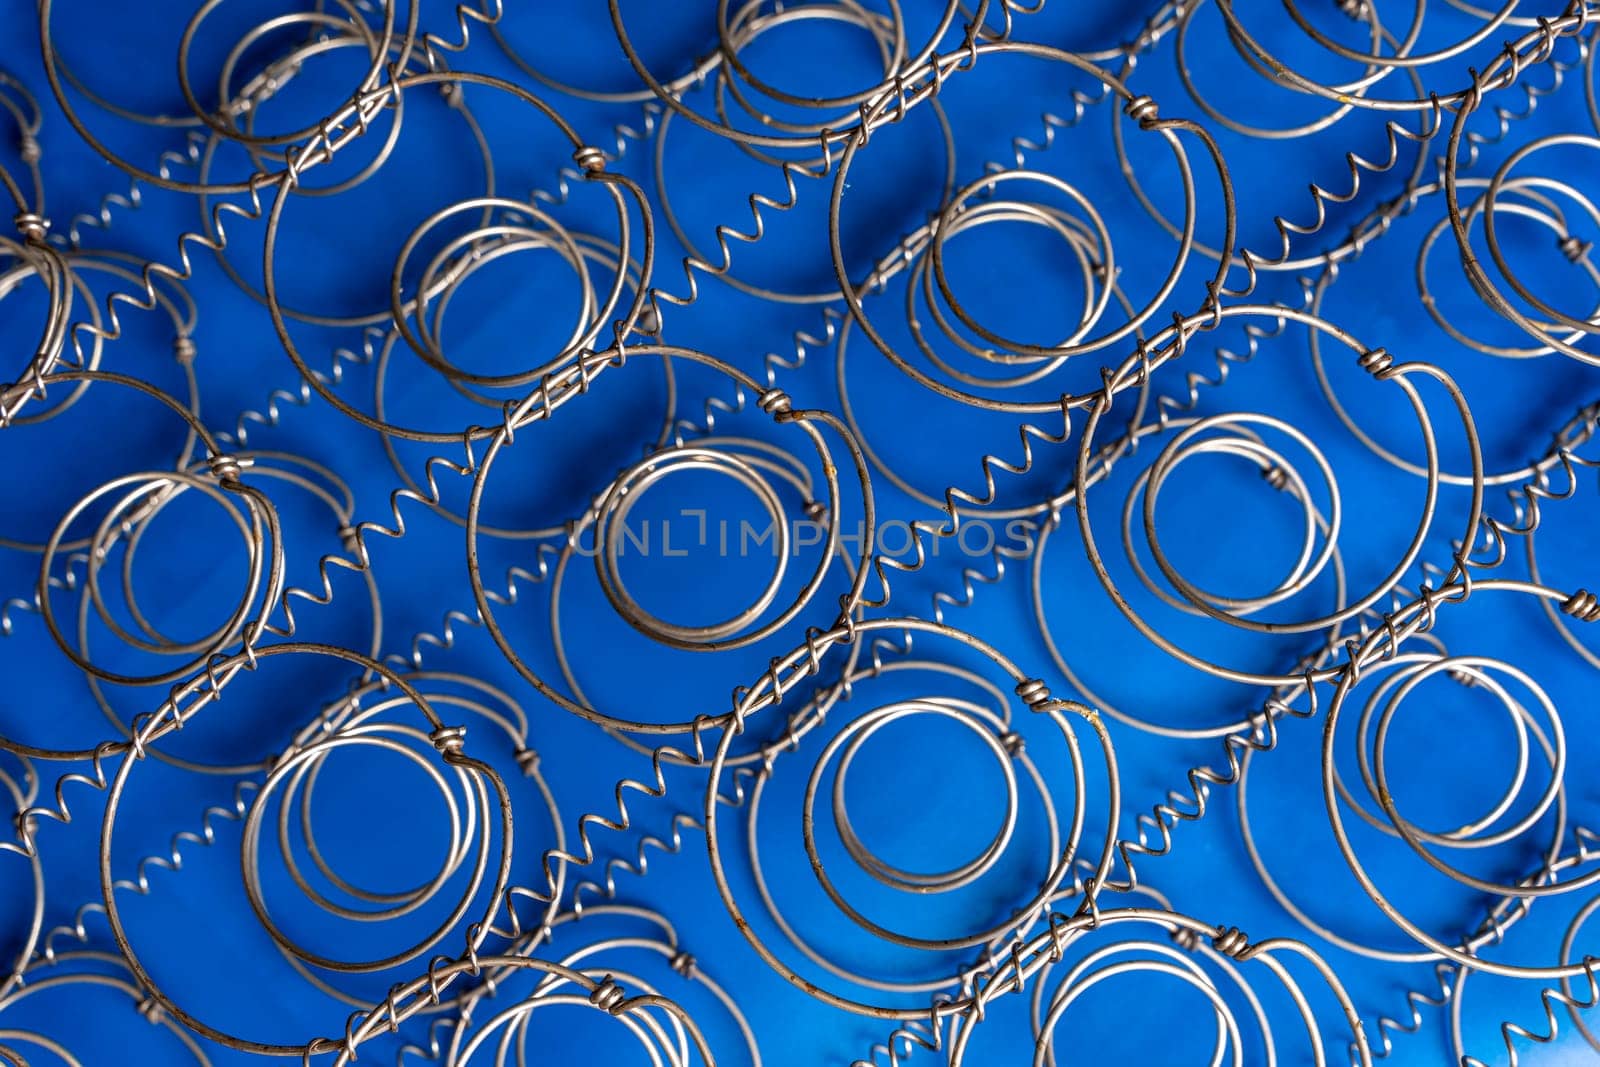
(923, 795)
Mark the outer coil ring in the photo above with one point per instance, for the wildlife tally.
(1379, 218)
(619, 188)
(1348, 610)
(1246, 43)
(1504, 913)
(290, 775)
(1540, 209)
(1476, 671)
(667, 945)
(595, 250)
(261, 557)
(367, 100)
(607, 996)
(502, 239)
(1179, 956)
(1479, 276)
(768, 690)
(172, 714)
(853, 293)
(763, 458)
(1399, 626)
(483, 701)
(861, 728)
(1248, 446)
(807, 721)
(755, 140)
(332, 492)
(1028, 959)
(554, 396)
(1502, 70)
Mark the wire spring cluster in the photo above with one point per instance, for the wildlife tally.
(230, 469)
